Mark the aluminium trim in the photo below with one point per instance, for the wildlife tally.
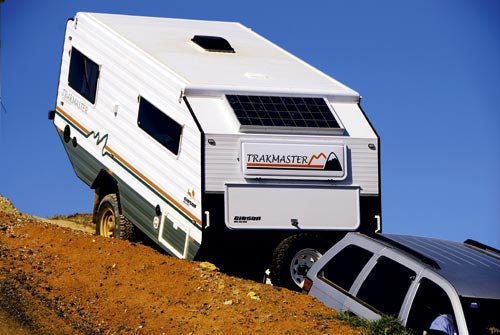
(379, 163)
(204, 220)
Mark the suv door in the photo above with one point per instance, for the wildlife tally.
(430, 301)
(383, 290)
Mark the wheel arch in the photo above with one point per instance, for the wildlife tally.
(290, 248)
(103, 185)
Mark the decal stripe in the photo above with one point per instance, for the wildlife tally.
(309, 165)
(133, 171)
(321, 154)
(68, 118)
(286, 166)
(153, 185)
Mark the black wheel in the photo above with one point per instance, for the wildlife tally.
(109, 221)
(292, 259)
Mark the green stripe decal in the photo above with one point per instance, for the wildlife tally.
(84, 132)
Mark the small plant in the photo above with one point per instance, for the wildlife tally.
(387, 325)
(353, 320)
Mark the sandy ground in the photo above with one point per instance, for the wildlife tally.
(57, 280)
(10, 326)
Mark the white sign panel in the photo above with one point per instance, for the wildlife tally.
(294, 160)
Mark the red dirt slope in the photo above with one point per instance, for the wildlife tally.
(60, 281)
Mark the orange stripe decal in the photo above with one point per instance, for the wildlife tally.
(82, 128)
(316, 157)
(295, 166)
(147, 180)
(134, 170)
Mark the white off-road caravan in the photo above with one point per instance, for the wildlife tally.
(214, 142)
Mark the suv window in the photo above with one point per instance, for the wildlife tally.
(345, 266)
(83, 75)
(159, 126)
(430, 302)
(481, 315)
(386, 286)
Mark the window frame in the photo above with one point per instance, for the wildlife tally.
(372, 264)
(99, 66)
(449, 290)
(416, 291)
(359, 273)
(181, 126)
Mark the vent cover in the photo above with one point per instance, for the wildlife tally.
(213, 43)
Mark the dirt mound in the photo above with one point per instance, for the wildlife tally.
(80, 218)
(6, 206)
(77, 221)
(61, 281)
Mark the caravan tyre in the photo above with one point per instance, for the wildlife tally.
(109, 221)
(293, 257)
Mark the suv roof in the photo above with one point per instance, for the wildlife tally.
(473, 271)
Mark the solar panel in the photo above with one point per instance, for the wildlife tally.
(283, 112)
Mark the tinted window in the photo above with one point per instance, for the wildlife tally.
(161, 127)
(345, 266)
(481, 315)
(83, 75)
(430, 302)
(386, 286)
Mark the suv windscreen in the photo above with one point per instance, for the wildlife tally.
(482, 315)
(386, 286)
(345, 266)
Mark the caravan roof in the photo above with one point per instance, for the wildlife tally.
(256, 65)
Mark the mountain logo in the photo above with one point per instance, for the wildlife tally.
(332, 163)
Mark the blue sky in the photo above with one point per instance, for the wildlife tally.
(428, 71)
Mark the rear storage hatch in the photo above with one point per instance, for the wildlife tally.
(278, 206)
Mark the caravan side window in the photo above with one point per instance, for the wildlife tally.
(159, 126)
(83, 75)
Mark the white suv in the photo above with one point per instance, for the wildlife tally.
(413, 278)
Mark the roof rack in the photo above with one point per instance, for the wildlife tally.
(483, 248)
(408, 250)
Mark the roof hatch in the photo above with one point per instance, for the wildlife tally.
(213, 43)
